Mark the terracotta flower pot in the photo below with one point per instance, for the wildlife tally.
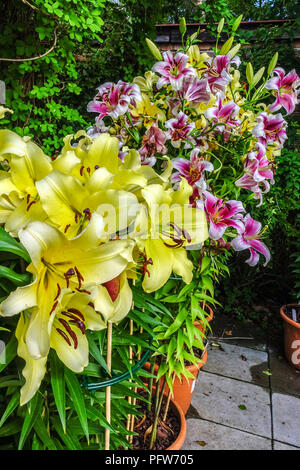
(183, 391)
(178, 443)
(291, 337)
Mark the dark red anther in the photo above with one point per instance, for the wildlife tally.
(67, 280)
(76, 217)
(80, 325)
(96, 167)
(91, 304)
(178, 243)
(70, 331)
(83, 290)
(76, 312)
(79, 277)
(67, 228)
(63, 334)
(145, 262)
(29, 205)
(88, 170)
(28, 198)
(54, 307)
(58, 292)
(87, 212)
(81, 170)
(70, 272)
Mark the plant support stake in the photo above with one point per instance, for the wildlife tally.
(108, 389)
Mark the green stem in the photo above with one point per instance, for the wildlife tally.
(151, 383)
(158, 400)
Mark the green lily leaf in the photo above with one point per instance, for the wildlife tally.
(77, 399)
(8, 243)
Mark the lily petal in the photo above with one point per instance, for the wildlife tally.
(34, 369)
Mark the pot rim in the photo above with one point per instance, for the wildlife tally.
(182, 431)
(199, 364)
(286, 318)
(177, 444)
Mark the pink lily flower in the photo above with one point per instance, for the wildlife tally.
(223, 116)
(114, 99)
(218, 74)
(179, 129)
(270, 129)
(192, 170)
(250, 239)
(194, 90)
(153, 142)
(257, 171)
(172, 70)
(222, 215)
(285, 88)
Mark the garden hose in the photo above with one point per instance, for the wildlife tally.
(118, 378)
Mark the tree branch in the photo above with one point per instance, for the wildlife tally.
(37, 57)
(34, 7)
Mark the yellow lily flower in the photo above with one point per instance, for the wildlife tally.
(57, 262)
(197, 59)
(34, 369)
(162, 234)
(69, 204)
(148, 111)
(27, 161)
(3, 111)
(114, 299)
(73, 315)
(146, 83)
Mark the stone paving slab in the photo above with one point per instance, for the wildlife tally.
(237, 362)
(203, 435)
(220, 399)
(281, 446)
(286, 418)
(284, 378)
(242, 334)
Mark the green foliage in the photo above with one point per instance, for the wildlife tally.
(277, 283)
(44, 93)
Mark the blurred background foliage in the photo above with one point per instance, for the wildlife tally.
(94, 41)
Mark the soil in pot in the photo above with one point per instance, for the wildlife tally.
(167, 432)
(292, 312)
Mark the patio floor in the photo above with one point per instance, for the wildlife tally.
(247, 397)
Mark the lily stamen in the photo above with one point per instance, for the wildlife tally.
(79, 277)
(54, 307)
(70, 331)
(76, 312)
(29, 205)
(87, 213)
(64, 336)
(69, 274)
(58, 292)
